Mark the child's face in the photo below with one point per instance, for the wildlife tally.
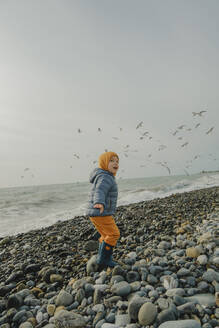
(113, 165)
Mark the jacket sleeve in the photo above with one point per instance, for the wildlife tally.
(103, 185)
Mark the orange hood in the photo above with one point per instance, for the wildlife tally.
(105, 158)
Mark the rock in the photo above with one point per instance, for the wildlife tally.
(26, 325)
(192, 252)
(203, 299)
(121, 288)
(64, 298)
(51, 309)
(56, 278)
(180, 324)
(166, 315)
(109, 325)
(65, 319)
(122, 320)
(147, 314)
(202, 259)
(210, 275)
(134, 307)
(92, 265)
(91, 245)
(175, 291)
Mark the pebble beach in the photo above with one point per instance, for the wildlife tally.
(167, 274)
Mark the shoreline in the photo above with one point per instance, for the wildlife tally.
(118, 209)
(37, 267)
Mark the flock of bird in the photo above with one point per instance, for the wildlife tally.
(145, 135)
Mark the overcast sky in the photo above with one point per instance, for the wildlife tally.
(67, 65)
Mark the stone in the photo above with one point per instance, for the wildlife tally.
(122, 320)
(192, 252)
(64, 298)
(26, 324)
(166, 315)
(175, 291)
(51, 309)
(203, 299)
(92, 265)
(121, 288)
(202, 259)
(66, 319)
(180, 324)
(210, 275)
(56, 278)
(147, 314)
(134, 307)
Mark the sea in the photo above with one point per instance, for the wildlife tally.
(28, 208)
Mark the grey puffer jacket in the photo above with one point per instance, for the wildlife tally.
(104, 191)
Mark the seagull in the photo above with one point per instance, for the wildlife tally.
(210, 130)
(145, 133)
(164, 165)
(79, 131)
(186, 172)
(197, 125)
(185, 144)
(199, 113)
(161, 147)
(139, 125)
(77, 156)
(174, 133)
(99, 130)
(181, 127)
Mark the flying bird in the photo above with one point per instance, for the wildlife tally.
(77, 156)
(115, 138)
(174, 133)
(186, 172)
(164, 165)
(199, 113)
(26, 169)
(99, 130)
(181, 127)
(210, 130)
(179, 138)
(197, 125)
(139, 125)
(162, 147)
(79, 131)
(185, 144)
(189, 129)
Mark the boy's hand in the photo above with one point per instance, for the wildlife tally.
(100, 206)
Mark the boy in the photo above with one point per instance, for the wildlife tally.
(102, 205)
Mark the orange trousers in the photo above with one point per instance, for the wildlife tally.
(107, 228)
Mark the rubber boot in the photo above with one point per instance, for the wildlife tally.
(107, 251)
(101, 258)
